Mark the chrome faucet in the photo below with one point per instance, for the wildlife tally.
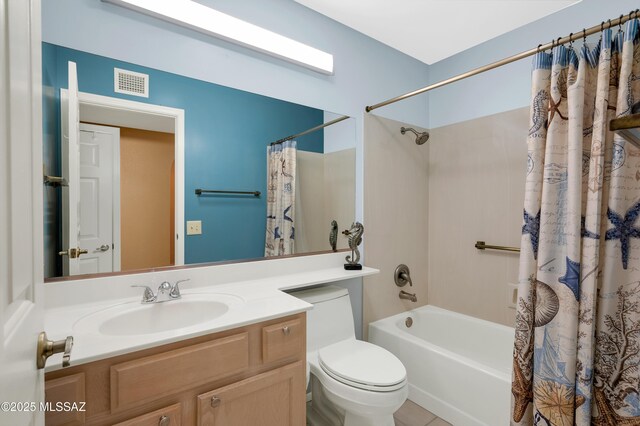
(166, 292)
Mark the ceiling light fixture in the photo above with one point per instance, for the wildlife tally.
(201, 18)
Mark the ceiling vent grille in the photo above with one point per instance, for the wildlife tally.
(131, 83)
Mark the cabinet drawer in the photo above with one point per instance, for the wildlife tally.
(157, 376)
(69, 389)
(167, 416)
(274, 398)
(283, 340)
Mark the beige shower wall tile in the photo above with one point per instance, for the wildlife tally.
(325, 191)
(339, 193)
(476, 178)
(395, 216)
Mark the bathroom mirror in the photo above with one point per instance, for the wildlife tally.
(149, 140)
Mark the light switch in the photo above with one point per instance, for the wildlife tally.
(194, 227)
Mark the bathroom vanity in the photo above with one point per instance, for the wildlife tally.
(231, 351)
(246, 375)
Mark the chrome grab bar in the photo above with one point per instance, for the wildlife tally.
(481, 245)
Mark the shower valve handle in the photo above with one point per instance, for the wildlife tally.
(402, 276)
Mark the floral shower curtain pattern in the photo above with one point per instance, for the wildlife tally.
(577, 344)
(281, 186)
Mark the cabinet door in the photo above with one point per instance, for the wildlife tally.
(65, 390)
(284, 340)
(275, 398)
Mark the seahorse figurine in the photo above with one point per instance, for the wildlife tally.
(333, 235)
(355, 239)
(540, 108)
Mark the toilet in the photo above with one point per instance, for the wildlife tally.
(353, 383)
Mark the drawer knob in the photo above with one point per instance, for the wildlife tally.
(164, 421)
(215, 401)
(286, 330)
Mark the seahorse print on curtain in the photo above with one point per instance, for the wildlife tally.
(577, 339)
(281, 185)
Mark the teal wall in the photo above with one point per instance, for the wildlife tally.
(226, 135)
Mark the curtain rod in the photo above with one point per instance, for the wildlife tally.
(315, 129)
(561, 40)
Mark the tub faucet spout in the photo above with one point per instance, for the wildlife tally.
(408, 296)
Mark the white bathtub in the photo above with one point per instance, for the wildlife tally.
(459, 367)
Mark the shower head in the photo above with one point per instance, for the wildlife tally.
(421, 137)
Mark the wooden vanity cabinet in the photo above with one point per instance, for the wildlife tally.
(248, 376)
(270, 398)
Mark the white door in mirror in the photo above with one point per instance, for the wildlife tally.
(99, 184)
(70, 112)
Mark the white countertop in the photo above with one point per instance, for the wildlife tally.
(258, 299)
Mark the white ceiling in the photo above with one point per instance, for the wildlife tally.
(432, 30)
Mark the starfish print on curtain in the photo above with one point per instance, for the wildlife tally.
(532, 227)
(580, 253)
(624, 230)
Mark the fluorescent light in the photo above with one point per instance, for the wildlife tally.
(209, 21)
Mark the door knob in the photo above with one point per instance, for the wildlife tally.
(47, 347)
(164, 421)
(104, 247)
(73, 252)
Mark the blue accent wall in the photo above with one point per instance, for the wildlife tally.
(226, 136)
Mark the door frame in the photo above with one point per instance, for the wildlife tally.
(152, 111)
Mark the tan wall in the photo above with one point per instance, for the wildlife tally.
(309, 214)
(325, 191)
(476, 192)
(339, 192)
(395, 216)
(146, 198)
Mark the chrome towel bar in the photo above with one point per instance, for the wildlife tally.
(212, 191)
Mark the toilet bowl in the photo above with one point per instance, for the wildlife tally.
(353, 383)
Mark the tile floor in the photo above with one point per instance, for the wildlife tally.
(411, 414)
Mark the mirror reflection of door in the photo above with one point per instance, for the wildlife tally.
(126, 199)
(70, 126)
(99, 198)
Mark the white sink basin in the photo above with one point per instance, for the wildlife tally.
(135, 318)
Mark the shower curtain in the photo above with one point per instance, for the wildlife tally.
(577, 341)
(281, 189)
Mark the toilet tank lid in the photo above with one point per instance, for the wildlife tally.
(320, 294)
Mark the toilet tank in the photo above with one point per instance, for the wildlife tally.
(331, 319)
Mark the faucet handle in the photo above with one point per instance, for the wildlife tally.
(175, 290)
(164, 286)
(147, 296)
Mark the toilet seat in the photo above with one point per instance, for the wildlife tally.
(363, 365)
